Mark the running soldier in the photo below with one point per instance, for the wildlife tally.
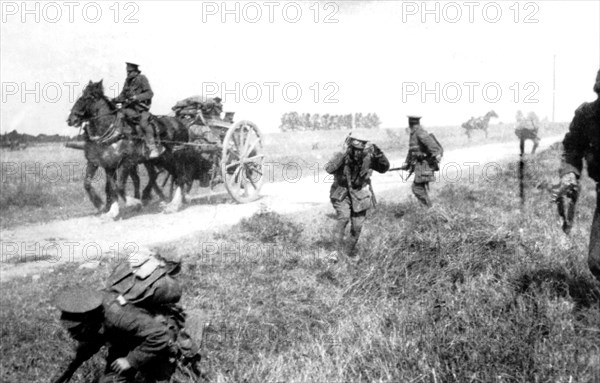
(351, 193)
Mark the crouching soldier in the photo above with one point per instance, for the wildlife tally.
(583, 142)
(351, 193)
(138, 318)
(137, 342)
(424, 156)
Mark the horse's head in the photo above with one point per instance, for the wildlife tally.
(85, 106)
(491, 113)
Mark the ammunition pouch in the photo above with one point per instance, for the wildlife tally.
(338, 193)
(361, 199)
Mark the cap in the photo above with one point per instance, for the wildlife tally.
(132, 66)
(78, 305)
(217, 99)
(414, 120)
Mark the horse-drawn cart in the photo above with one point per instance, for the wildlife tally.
(201, 145)
(232, 148)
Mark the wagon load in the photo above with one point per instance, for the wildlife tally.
(191, 106)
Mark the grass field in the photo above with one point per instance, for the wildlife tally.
(474, 290)
(45, 183)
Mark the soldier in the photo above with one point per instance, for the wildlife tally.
(137, 96)
(583, 141)
(137, 342)
(424, 156)
(351, 193)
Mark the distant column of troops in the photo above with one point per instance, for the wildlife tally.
(294, 121)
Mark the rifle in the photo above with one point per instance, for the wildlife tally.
(84, 352)
(71, 368)
(410, 167)
(521, 172)
(565, 197)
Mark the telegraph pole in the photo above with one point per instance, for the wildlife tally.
(553, 86)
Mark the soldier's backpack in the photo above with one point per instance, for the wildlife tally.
(145, 280)
(435, 165)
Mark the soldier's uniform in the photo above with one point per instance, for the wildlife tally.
(583, 142)
(137, 88)
(350, 193)
(95, 319)
(528, 130)
(422, 152)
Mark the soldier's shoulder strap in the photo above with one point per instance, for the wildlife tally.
(434, 138)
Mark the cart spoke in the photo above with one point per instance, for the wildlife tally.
(249, 178)
(252, 159)
(248, 151)
(236, 163)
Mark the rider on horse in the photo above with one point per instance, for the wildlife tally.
(137, 98)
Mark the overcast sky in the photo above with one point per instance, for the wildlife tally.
(357, 56)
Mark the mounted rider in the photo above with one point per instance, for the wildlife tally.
(136, 98)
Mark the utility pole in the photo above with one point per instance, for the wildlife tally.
(553, 86)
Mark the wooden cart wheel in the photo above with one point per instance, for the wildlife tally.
(242, 161)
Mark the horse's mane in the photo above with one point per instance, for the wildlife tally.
(97, 91)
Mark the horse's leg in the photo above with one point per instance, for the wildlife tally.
(127, 170)
(177, 198)
(135, 178)
(111, 194)
(90, 172)
(152, 177)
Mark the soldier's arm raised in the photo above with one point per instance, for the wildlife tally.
(379, 161)
(335, 162)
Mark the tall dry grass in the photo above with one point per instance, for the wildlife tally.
(474, 290)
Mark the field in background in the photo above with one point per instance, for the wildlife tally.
(474, 290)
(45, 182)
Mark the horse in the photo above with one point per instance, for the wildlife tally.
(112, 143)
(479, 123)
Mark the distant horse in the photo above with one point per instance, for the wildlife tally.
(527, 129)
(479, 123)
(111, 143)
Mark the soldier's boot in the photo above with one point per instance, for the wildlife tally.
(338, 239)
(149, 134)
(355, 230)
(155, 150)
(351, 249)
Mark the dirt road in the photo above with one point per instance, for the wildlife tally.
(41, 246)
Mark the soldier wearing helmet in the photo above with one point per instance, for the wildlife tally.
(583, 142)
(351, 194)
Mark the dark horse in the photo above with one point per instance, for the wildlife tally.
(112, 143)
